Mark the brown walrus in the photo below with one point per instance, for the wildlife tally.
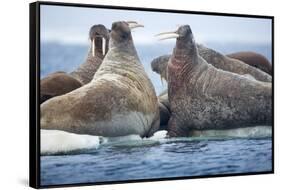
(60, 83)
(56, 84)
(254, 59)
(119, 101)
(164, 109)
(159, 65)
(218, 60)
(99, 36)
(203, 97)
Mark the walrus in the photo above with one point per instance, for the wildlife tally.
(120, 100)
(159, 65)
(203, 97)
(254, 59)
(59, 83)
(218, 60)
(164, 109)
(99, 36)
(56, 84)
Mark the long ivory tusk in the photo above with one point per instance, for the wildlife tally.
(103, 46)
(161, 77)
(93, 47)
(131, 21)
(163, 33)
(135, 25)
(168, 36)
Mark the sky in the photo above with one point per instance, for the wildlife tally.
(72, 24)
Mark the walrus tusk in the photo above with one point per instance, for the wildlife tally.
(93, 47)
(135, 25)
(162, 33)
(167, 35)
(103, 46)
(161, 77)
(131, 21)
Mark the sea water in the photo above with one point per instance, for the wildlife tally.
(68, 158)
(132, 158)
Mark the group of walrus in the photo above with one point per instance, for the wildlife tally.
(111, 94)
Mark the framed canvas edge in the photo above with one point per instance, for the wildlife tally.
(34, 105)
(34, 92)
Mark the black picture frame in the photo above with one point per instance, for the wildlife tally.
(34, 91)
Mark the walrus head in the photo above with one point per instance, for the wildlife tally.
(184, 36)
(159, 65)
(121, 31)
(99, 36)
(184, 57)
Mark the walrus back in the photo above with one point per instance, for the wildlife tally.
(224, 108)
(56, 84)
(120, 100)
(253, 59)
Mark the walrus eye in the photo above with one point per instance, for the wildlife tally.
(124, 35)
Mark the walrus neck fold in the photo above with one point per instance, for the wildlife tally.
(125, 46)
(185, 51)
(184, 60)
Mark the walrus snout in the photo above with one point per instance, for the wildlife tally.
(125, 26)
(99, 36)
(159, 65)
(121, 30)
(98, 31)
(155, 66)
(184, 31)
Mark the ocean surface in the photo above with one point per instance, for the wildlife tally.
(68, 158)
(98, 159)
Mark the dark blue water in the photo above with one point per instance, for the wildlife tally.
(172, 158)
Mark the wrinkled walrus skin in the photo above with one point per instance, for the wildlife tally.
(119, 101)
(204, 97)
(218, 60)
(159, 65)
(254, 59)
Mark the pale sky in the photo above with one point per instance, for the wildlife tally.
(71, 25)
